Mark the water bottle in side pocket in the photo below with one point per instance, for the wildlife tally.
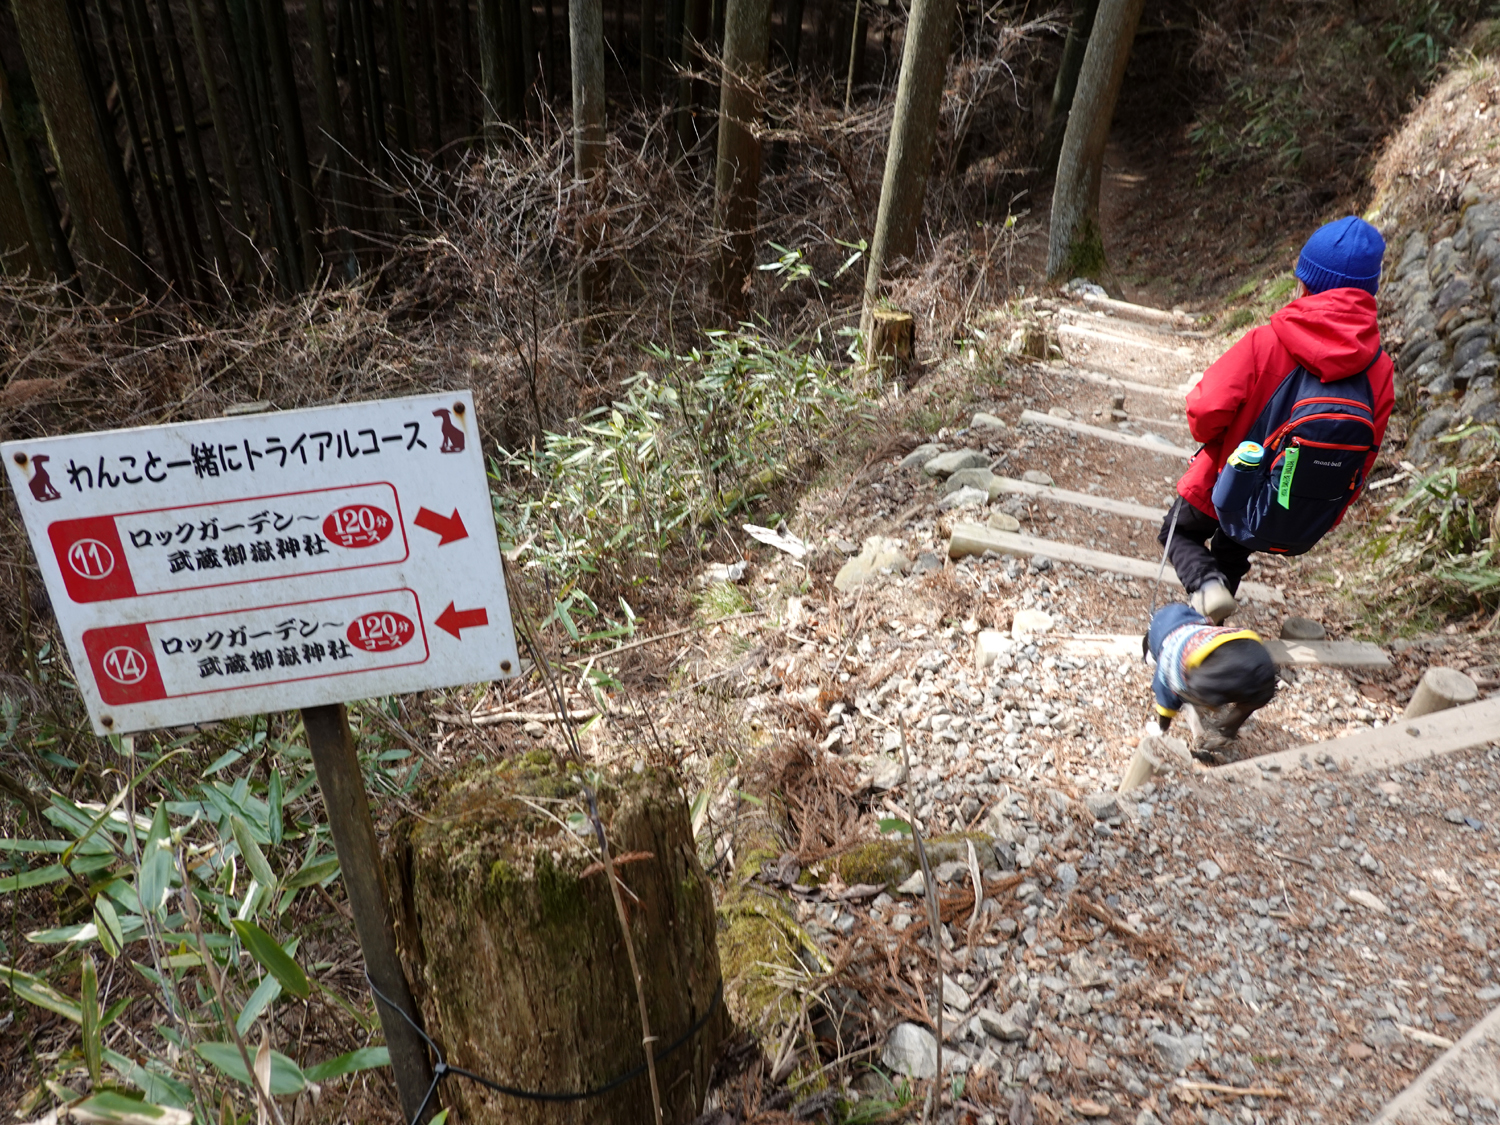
(1239, 478)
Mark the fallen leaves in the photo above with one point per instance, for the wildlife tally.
(1086, 1108)
(1367, 900)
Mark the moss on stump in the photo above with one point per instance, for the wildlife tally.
(516, 949)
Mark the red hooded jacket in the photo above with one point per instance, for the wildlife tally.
(1333, 334)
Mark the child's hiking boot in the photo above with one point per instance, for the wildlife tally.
(1214, 601)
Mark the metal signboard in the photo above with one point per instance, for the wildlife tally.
(269, 561)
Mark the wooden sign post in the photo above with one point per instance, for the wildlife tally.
(333, 754)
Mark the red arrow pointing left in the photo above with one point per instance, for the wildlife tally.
(448, 528)
(452, 620)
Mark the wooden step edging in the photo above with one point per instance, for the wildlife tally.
(975, 539)
(1472, 1065)
(1384, 748)
(1166, 449)
(1284, 654)
(1079, 499)
(1175, 394)
(1126, 340)
(1133, 420)
(1137, 312)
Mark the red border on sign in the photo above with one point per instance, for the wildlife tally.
(114, 589)
(421, 627)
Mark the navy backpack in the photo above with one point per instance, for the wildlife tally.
(1316, 437)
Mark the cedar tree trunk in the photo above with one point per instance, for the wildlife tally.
(1067, 82)
(747, 37)
(1075, 247)
(586, 40)
(102, 243)
(908, 157)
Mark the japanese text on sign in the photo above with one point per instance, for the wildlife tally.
(257, 563)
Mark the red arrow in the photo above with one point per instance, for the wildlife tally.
(452, 620)
(448, 528)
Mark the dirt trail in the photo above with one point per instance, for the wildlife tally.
(1286, 950)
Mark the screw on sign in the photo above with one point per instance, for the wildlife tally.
(90, 558)
(358, 525)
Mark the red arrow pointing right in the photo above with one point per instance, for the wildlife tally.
(448, 528)
(452, 620)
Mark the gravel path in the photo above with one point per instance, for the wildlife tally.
(1193, 951)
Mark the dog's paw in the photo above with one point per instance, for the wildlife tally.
(1215, 750)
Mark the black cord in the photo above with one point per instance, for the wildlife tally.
(442, 1069)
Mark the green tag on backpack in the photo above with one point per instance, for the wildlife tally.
(1288, 469)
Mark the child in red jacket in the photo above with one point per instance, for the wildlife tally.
(1329, 329)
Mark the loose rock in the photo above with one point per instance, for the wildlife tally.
(1177, 1054)
(1001, 521)
(989, 646)
(1103, 805)
(1010, 1026)
(969, 478)
(1029, 622)
(911, 1050)
(1302, 629)
(1366, 899)
(926, 561)
(946, 464)
(920, 456)
(878, 556)
(964, 498)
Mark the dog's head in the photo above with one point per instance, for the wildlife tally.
(1237, 671)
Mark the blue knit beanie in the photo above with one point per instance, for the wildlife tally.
(1344, 254)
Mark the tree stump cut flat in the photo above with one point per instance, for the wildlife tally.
(519, 964)
(1439, 689)
(893, 337)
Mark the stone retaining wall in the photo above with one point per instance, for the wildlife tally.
(1439, 309)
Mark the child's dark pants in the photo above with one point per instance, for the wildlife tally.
(1200, 551)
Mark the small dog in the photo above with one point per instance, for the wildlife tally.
(1226, 673)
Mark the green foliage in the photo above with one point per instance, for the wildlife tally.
(721, 599)
(635, 483)
(286, 1076)
(244, 849)
(1269, 295)
(113, 1108)
(1239, 318)
(276, 960)
(1437, 548)
(792, 266)
(1419, 35)
(366, 1058)
(1279, 289)
(868, 1111)
(1298, 87)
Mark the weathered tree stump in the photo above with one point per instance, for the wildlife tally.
(516, 950)
(892, 342)
(1440, 689)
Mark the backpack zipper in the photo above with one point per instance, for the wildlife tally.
(1340, 401)
(1275, 439)
(1328, 445)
